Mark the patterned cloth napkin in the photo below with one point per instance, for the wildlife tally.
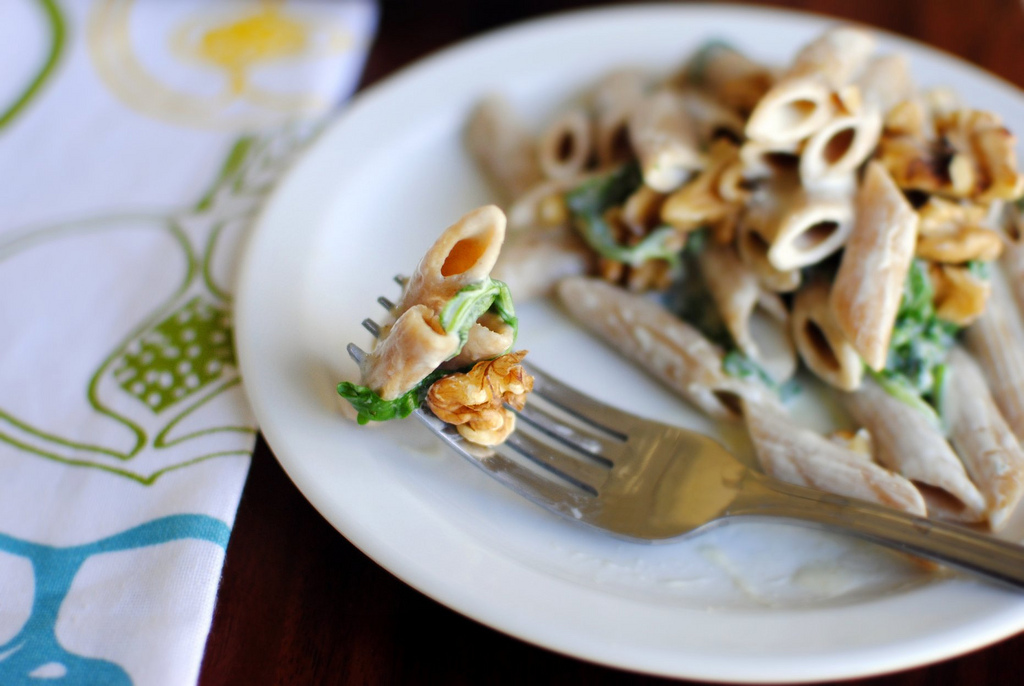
(137, 140)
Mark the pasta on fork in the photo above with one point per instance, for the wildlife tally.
(450, 339)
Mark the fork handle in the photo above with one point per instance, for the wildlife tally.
(956, 546)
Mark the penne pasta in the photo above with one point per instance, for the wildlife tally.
(503, 149)
(710, 118)
(737, 294)
(885, 82)
(414, 346)
(989, 449)
(907, 442)
(838, 148)
(665, 141)
(488, 338)
(800, 103)
(762, 160)
(836, 57)
(822, 344)
(1001, 358)
(802, 226)
(465, 253)
(730, 77)
(671, 350)
(753, 251)
(613, 100)
(794, 108)
(869, 284)
(800, 456)
(567, 146)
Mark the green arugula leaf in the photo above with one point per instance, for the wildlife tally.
(372, 408)
(914, 369)
(460, 313)
(591, 200)
(596, 196)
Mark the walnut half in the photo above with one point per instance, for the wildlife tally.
(474, 401)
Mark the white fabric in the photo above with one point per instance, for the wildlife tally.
(128, 175)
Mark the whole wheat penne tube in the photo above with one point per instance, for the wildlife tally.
(488, 338)
(566, 147)
(710, 118)
(671, 350)
(465, 253)
(885, 82)
(837, 56)
(503, 148)
(801, 102)
(761, 160)
(822, 344)
(800, 456)
(753, 251)
(869, 284)
(737, 296)
(803, 226)
(664, 140)
(792, 110)
(533, 262)
(907, 442)
(840, 146)
(849, 138)
(1001, 358)
(613, 100)
(730, 76)
(979, 433)
(412, 348)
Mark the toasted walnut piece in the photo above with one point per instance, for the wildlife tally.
(955, 233)
(474, 400)
(970, 155)
(907, 118)
(991, 148)
(915, 164)
(997, 153)
(698, 203)
(960, 296)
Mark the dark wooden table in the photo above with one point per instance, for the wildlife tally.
(299, 604)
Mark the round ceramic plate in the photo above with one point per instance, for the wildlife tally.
(747, 602)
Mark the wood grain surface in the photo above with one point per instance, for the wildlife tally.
(299, 604)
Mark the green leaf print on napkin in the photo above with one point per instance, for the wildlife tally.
(153, 386)
(55, 24)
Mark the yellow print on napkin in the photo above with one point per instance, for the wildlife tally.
(216, 65)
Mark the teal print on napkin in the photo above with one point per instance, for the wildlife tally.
(35, 653)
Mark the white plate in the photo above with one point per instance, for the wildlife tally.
(748, 602)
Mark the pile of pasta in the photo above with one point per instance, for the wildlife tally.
(726, 223)
(448, 342)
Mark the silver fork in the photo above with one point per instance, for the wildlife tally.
(644, 480)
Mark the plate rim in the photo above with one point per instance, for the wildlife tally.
(919, 655)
